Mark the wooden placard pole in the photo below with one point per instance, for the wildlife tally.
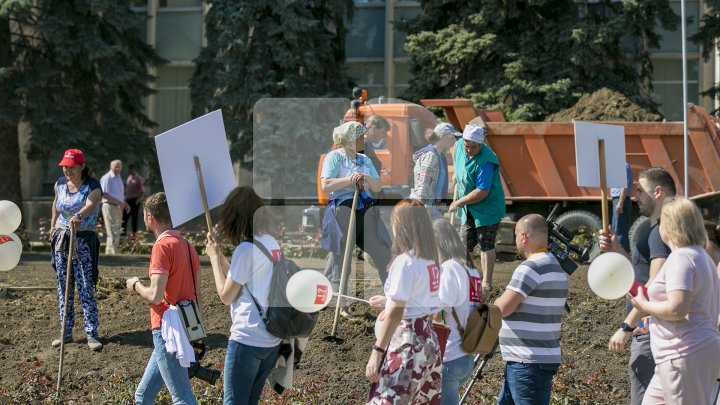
(198, 169)
(603, 184)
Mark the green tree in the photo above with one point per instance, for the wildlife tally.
(10, 150)
(78, 77)
(268, 48)
(707, 37)
(531, 58)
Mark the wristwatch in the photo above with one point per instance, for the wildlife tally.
(626, 328)
(78, 216)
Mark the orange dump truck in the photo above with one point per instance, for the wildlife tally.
(538, 159)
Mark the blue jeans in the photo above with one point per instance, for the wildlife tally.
(454, 375)
(621, 222)
(164, 369)
(527, 383)
(246, 368)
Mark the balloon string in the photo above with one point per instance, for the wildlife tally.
(351, 297)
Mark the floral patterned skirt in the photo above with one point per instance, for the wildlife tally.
(411, 371)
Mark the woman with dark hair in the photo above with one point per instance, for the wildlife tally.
(134, 191)
(243, 283)
(77, 198)
(405, 364)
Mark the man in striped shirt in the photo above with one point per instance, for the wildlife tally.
(532, 306)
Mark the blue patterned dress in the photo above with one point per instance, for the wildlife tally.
(87, 248)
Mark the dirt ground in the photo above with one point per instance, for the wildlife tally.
(330, 373)
(604, 105)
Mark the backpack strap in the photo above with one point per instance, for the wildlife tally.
(457, 321)
(267, 254)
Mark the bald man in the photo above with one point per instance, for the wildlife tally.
(531, 306)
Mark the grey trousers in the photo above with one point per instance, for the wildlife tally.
(641, 367)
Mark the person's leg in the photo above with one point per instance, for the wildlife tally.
(268, 357)
(488, 236)
(653, 394)
(246, 368)
(174, 375)
(150, 384)
(368, 240)
(531, 383)
(641, 367)
(469, 235)
(134, 212)
(107, 219)
(60, 265)
(342, 214)
(505, 396)
(622, 228)
(83, 271)
(454, 375)
(691, 379)
(116, 213)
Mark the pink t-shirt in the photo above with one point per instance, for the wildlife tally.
(690, 269)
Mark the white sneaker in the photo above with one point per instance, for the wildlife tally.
(94, 344)
(56, 342)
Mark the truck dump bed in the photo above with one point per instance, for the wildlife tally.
(538, 158)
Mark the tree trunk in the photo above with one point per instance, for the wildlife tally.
(9, 143)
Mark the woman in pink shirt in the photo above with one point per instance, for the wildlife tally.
(684, 302)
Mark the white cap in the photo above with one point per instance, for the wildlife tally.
(348, 132)
(474, 133)
(446, 129)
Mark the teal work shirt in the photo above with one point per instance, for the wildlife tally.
(490, 210)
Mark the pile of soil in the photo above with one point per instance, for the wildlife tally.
(604, 105)
(331, 372)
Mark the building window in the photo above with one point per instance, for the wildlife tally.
(667, 83)
(173, 96)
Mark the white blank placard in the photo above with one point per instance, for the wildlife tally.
(587, 158)
(203, 137)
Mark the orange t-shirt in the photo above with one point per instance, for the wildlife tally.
(171, 256)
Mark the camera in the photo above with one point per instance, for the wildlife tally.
(560, 246)
(196, 370)
(204, 373)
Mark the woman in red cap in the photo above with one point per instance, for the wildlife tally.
(77, 197)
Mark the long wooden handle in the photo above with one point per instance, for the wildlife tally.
(201, 183)
(349, 244)
(68, 274)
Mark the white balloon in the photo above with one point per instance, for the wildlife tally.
(611, 275)
(17, 240)
(9, 253)
(309, 291)
(9, 217)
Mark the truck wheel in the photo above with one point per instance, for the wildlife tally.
(584, 226)
(639, 227)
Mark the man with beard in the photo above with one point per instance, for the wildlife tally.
(648, 255)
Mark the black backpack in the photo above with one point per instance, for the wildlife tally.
(281, 319)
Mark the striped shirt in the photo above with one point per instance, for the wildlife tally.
(531, 334)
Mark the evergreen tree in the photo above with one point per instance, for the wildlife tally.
(268, 48)
(707, 37)
(531, 58)
(10, 150)
(78, 77)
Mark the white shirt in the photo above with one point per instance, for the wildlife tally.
(112, 185)
(415, 281)
(251, 268)
(455, 292)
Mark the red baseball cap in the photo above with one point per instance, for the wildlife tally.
(72, 157)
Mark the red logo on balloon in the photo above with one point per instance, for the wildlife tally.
(434, 274)
(475, 289)
(5, 238)
(321, 294)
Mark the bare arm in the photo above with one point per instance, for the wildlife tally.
(393, 316)
(54, 214)
(329, 185)
(621, 201)
(374, 184)
(154, 293)
(227, 289)
(675, 308)
(509, 301)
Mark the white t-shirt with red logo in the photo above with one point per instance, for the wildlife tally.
(456, 292)
(251, 268)
(416, 281)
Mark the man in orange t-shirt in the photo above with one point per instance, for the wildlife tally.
(174, 275)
